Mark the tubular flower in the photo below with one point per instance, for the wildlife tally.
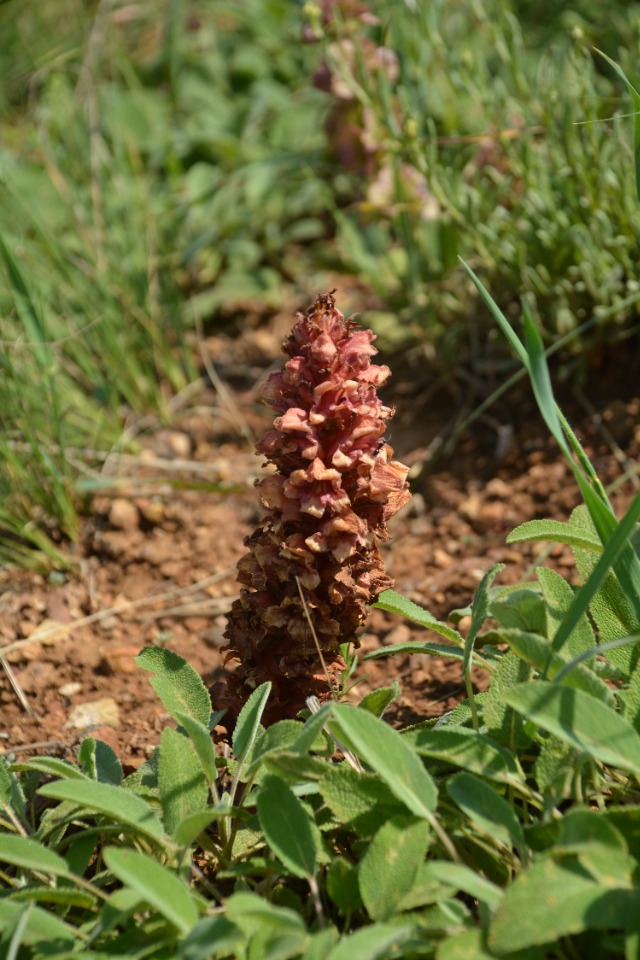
(326, 508)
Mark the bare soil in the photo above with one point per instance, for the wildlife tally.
(156, 562)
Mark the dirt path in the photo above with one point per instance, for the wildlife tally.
(157, 563)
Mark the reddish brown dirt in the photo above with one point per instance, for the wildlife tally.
(156, 562)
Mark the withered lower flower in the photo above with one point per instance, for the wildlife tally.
(326, 508)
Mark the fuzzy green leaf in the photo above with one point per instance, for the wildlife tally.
(361, 800)
(163, 890)
(287, 827)
(463, 879)
(487, 809)
(177, 684)
(248, 723)
(473, 751)
(558, 597)
(109, 801)
(376, 942)
(586, 724)
(29, 855)
(342, 886)
(211, 938)
(552, 900)
(555, 531)
(390, 865)
(538, 651)
(395, 603)
(387, 753)
(52, 767)
(183, 788)
(203, 744)
(416, 646)
(378, 700)
(99, 761)
(42, 929)
(503, 724)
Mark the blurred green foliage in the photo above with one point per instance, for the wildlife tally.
(162, 163)
(489, 137)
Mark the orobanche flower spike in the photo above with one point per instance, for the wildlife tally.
(326, 508)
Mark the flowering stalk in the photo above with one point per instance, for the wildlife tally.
(326, 506)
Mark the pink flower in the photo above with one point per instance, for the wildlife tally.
(326, 510)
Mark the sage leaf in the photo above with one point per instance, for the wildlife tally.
(386, 752)
(586, 724)
(390, 865)
(120, 805)
(182, 784)
(287, 827)
(178, 685)
(163, 890)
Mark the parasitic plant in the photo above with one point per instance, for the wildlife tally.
(315, 558)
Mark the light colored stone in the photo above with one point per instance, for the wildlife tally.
(70, 689)
(102, 712)
(124, 515)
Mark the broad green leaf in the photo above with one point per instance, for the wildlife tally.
(211, 938)
(109, 801)
(377, 701)
(99, 761)
(390, 865)
(558, 597)
(165, 891)
(580, 720)
(42, 929)
(287, 827)
(552, 900)
(342, 886)
(487, 809)
(30, 855)
(461, 747)
(376, 942)
(387, 753)
(189, 829)
(248, 723)
(395, 603)
(463, 879)
(312, 729)
(503, 724)
(252, 913)
(468, 945)
(177, 684)
(319, 944)
(520, 609)
(295, 767)
(202, 742)
(52, 767)
(281, 736)
(183, 788)
(626, 819)
(361, 800)
(555, 531)
(538, 652)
